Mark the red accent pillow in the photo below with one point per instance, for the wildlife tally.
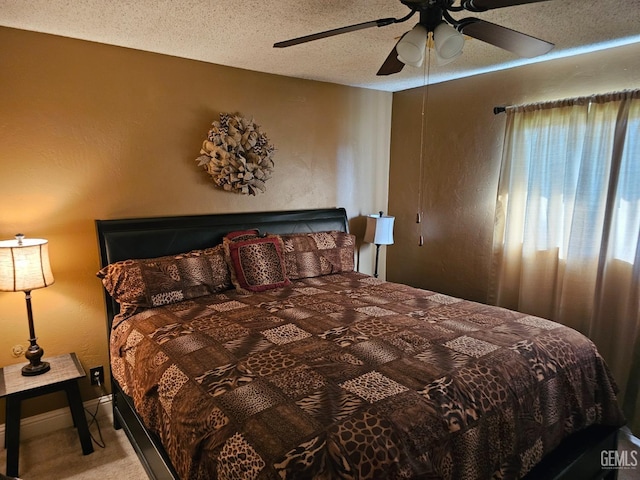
(242, 235)
(257, 263)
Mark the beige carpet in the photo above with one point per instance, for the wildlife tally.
(58, 456)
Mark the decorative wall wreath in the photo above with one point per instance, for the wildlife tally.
(237, 155)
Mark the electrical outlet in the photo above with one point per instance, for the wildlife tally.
(97, 375)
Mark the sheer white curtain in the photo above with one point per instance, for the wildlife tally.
(566, 241)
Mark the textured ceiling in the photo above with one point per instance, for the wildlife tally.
(242, 33)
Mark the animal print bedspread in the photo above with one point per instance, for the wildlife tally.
(348, 377)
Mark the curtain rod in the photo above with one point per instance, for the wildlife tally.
(590, 98)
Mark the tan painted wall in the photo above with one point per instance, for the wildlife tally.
(92, 131)
(462, 153)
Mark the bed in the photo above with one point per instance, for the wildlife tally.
(323, 372)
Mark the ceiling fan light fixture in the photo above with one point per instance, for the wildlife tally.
(435, 18)
(444, 61)
(448, 42)
(412, 64)
(411, 47)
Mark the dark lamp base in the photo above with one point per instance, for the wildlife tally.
(33, 370)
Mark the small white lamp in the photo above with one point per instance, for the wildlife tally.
(24, 266)
(380, 232)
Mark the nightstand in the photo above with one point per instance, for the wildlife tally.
(64, 375)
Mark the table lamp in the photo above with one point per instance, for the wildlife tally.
(24, 266)
(379, 231)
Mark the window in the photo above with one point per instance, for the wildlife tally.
(567, 231)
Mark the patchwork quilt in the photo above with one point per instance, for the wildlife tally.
(345, 376)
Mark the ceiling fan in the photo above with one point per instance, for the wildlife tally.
(435, 18)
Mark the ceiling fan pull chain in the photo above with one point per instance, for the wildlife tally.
(423, 124)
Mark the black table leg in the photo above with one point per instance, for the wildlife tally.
(79, 419)
(12, 435)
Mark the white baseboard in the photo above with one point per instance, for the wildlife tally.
(58, 419)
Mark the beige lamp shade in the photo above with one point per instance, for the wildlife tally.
(379, 229)
(24, 264)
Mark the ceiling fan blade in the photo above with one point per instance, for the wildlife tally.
(519, 43)
(336, 31)
(483, 5)
(391, 65)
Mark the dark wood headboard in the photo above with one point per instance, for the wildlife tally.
(133, 238)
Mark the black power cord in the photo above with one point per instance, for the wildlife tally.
(94, 415)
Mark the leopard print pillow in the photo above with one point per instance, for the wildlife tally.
(309, 255)
(256, 263)
(147, 283)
